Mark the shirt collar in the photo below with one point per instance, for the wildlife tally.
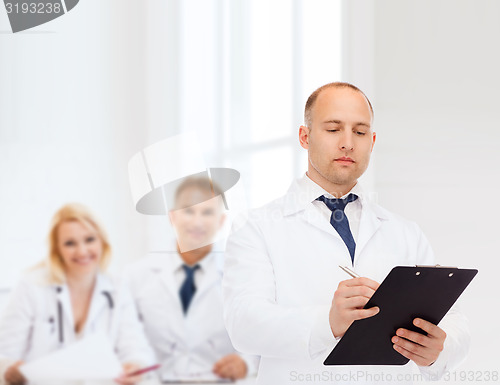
(206, 261)
(311, 190)
(304, 191)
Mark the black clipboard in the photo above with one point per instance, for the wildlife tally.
(406, 293)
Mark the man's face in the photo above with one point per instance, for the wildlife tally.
(340, 139)
(196, 224)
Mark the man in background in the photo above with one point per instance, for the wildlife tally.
(179, 296)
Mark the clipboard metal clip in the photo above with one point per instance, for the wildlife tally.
(442, 267)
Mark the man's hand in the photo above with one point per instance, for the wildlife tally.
(231, 366)
(348, 302)
(421, 349)
(13, 375)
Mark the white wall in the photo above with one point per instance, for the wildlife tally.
(82, 94)
(72, 111)
(436, 83)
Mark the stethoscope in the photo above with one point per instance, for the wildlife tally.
(60, 322)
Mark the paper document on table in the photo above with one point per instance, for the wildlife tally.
(91, 358)
(200, 378)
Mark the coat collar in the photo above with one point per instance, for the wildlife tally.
(103, 284)
(170, 261)
(304, 191)
(166, 264)
(104, 296)
(301, 194)
(98, 302)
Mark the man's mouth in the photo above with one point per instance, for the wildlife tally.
(196, 233)
(344, 160)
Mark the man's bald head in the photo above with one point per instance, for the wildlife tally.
(312, 99)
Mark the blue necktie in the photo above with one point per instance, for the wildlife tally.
(339, 220)
(188, 288)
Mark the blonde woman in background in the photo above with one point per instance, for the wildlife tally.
(69, 296)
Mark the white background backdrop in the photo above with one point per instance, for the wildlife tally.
(80, 95)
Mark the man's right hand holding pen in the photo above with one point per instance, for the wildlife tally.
(349, 300)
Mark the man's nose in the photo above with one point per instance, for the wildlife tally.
(346, 141)
(198, 219)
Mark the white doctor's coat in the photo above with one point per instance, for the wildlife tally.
(281, 271)
(29, 325)
(186, 345)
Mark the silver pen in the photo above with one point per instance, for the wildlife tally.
(350, 272)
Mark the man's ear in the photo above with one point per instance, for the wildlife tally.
(373, 142)
(304, 132)
(171, 216)
(222, 221)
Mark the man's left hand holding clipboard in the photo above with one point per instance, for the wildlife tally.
(348, 305)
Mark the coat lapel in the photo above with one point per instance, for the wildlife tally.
(371, 220)
(296, 202)
(313, 216)
(168, 280)
(213, 275)
(100, 300)
(68, 322)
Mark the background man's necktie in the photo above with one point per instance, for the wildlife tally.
(339, 220)
(188, 288)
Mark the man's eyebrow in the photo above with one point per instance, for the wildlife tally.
(333, 121)
(362, 124)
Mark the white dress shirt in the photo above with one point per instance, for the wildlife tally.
(180, 274)
(352, 210)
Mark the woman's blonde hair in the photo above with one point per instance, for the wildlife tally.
(80, 213)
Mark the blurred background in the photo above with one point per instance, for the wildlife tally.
(81, 95)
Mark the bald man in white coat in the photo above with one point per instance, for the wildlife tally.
(285, 297)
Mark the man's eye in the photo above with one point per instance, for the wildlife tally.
(69, 243)
(90, 239)
(332, 130)
(361, 133)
